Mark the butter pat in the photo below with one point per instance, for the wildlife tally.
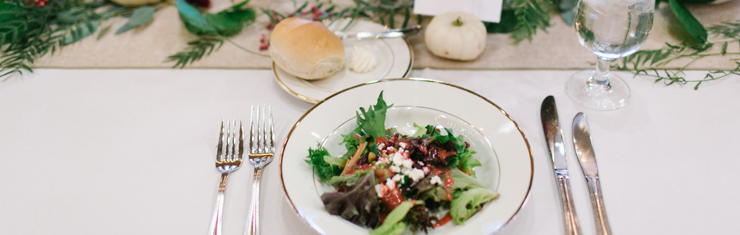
(362, 60)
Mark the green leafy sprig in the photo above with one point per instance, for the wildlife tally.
(28, 32)
(646, 62)
(524, 17)
(531, 15)
(212, 30)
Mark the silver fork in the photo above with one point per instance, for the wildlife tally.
(227, 160)
(261, 152)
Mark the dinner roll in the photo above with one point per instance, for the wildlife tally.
(306, 49)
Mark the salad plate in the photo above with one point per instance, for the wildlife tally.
(498, 143)
(394, 59)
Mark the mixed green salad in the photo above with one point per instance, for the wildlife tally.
(391, 182)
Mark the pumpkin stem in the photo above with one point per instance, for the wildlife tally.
(457, 22)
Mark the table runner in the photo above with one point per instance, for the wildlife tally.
(149, 46)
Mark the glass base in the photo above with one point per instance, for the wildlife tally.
(584, 90)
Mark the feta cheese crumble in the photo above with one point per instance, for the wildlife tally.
(390, 183)
(397, 159)
(408, 163)
(395, 169)
(397, 177)
(436, 180)
(380, 190)
(416, 174)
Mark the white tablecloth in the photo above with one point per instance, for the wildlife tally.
(132, 151)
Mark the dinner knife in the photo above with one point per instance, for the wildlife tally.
(554, 139)
(585, 154)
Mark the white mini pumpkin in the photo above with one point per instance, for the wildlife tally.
(456, 35)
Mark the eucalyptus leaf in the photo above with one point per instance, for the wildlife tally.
(11, 25)
(194, 21)
(693, 27)
(506, 23)
(140, 16)
(72, 15)
(231, 21)
(569, 17)
(567, 11)
(81, 31)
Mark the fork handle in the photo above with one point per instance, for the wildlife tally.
(217, 214)
(253, 226)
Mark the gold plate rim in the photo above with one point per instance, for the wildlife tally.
(285, 142)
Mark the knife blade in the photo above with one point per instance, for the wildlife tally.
(554, 139)
(587, 158)
(393, 33)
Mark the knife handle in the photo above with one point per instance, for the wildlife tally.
(572, 227)
(602, 222)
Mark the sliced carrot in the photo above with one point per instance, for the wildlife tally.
(354, 159)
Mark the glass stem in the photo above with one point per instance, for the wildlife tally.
(601, 79)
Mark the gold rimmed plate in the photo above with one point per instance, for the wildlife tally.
(394, 59)
(501, 145)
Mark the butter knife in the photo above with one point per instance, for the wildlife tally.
(554, 139)
(393, 33)
(585, 154)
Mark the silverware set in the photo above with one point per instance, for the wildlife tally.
(229, 157)
(587, 159)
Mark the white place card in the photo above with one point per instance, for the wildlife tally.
(485, 10)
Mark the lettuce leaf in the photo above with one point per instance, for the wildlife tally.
(350, 142)
(470, 202)
(393, 224)
(424, 190)
(372, 121)
(465, 158)
(344, 182)
(462, 181)
(420, 131)
(324, 169)
(358, 202)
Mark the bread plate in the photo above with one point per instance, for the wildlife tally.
(394, 60)
(502, 147)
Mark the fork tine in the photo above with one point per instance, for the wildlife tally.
(219, 148)
(272, 132)
(264, 131)
(233, 140)
(252, 150)
(241, 140)
(229, 138)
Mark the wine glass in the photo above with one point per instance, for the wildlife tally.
(610, 29)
